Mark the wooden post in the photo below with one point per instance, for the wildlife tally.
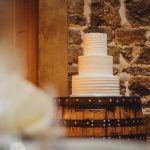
(53, 51)
(26, 37)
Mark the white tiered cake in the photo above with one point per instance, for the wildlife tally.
(95, 69)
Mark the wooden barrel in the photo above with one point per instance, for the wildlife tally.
(102, 117)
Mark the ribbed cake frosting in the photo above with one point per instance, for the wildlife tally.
(95, 75)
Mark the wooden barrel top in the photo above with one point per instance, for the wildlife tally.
(99, 102)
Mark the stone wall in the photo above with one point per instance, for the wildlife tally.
(127, 23)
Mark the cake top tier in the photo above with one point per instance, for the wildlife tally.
(97, 35)
(95, 44)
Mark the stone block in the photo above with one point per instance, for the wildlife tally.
(140, 86)
(115, 71)
(74, 37)
(74, 52)
(126, 53)
(72, 69)
(75, 6)
(113, 51)
(114, 3)
(103, 13)
(144, 57)
(96, 21)
(122, 88)
(138, 12)
(135, 36)
(136, 70)
(77, 20)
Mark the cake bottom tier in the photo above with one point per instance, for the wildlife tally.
(95, 86)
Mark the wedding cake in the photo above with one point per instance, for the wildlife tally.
(96, 109)
(95, 70)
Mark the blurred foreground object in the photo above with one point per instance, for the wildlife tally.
(24, 108)
(70, 144)
(86, 144)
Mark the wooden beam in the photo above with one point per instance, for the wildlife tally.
(27, 34)
(53, 53)
(19, 36)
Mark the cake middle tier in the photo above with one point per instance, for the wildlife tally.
(95, 85)
(95, 65)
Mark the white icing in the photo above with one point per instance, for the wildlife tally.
(95, 69)
(97, 85)
(95, 65)
(95, 43)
